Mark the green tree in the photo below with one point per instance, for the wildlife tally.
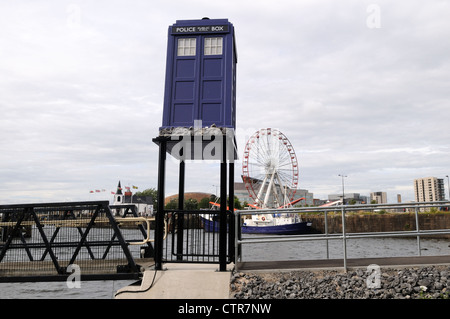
(204, 203)
(153, 192)
(191, 204)
(173, 204)
(237, 203)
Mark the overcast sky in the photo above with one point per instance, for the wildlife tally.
(360, 88)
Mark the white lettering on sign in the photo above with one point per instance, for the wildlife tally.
(201, 29)
(184, 29)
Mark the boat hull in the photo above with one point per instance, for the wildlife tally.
(288, 229)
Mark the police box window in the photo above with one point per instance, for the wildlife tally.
(213, 46)
(186, 46)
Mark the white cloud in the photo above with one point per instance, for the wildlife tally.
(82, 89)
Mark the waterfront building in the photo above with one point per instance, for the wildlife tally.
(378, 197)
(429, 189)
(242, 194)
(349, 198)
(144, 204)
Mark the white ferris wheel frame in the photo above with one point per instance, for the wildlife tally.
(270, 157)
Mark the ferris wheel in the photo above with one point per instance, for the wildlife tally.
(270, 169)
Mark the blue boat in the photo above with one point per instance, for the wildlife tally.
(269, 224)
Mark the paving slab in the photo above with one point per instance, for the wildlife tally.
(181, 281)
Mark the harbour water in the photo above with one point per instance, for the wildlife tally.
(356, 248)
(60, 290)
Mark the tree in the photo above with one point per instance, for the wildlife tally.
(237, 203)
(204, 203)
(191, 204)
(150, 192)
(173, 204)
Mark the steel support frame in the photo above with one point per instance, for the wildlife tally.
(162, 142)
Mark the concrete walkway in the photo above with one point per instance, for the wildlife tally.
(204, 281)
(181, 281)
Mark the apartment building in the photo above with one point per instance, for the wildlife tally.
(429, 189)
(378, 197)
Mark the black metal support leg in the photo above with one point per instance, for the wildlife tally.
(223, 208)
(159, 231)
(231, 208)
(180, 219)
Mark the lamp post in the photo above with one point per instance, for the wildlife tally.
(344, 240)
(216, 186)
(343, 190)
(448, 186)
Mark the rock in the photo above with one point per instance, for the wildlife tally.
(402, 283)
(424, 282)
(438, 286)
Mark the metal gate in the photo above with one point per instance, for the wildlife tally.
(194, 237)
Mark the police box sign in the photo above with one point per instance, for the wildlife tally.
(200, 29)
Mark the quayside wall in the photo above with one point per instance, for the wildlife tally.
(377, 222)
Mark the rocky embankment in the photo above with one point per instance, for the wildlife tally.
(385, 283)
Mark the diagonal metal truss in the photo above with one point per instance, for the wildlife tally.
(39, 242)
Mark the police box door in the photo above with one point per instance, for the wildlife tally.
(198, 80)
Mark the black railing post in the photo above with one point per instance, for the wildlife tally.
(231, 208)
(223, 208)
(180, 217)
(159, 231)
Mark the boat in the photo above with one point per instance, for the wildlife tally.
(276, 224)
(269, 224)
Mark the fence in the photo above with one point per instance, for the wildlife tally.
(194, 237)
(42, 242)
(343, 210)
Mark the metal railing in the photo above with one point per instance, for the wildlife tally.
(40, 242)
(194, 237)
(344, 235)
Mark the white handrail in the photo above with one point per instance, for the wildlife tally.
(146, 220)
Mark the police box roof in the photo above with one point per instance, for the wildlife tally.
(204, 25)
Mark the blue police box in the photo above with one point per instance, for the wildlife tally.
(200, 74)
